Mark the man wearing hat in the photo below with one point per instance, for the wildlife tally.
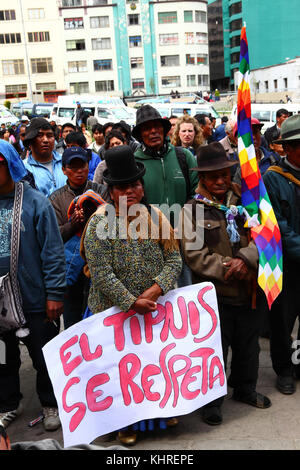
(75, 165)
(264, 157)
(229, 260)
(283, 185)
(167, 179)
(43, 161)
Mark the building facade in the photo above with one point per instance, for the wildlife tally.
(272, 32)
(135, 47)
(29, 41)
(118, 47)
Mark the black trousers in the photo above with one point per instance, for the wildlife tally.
(41, 331)
(283, 315)
(240, 332)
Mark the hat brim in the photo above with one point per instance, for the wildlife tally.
(214, 168)
(137, 129)
(287, 140)
(110, 181)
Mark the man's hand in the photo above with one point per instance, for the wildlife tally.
(152, 293)
(77, 217)
(54, 309)
(237, 269)
(143, 306)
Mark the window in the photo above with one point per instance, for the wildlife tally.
(79, 87)
(235, 41)
(138, 83)
(201, 38)
(236, 25)
(13, 67)
(168, 39)
(73, 23)
(101, 43)
(40, 36)
(71, 3)
(191, 80)
(235, 57)
(135, 41)
(167, 17)
(77, 66)
(193, 59)
(266, 85)
(203, 80)
(75, 45)
(170, 81)
(189, 38)
(15, 89)
(7, 15)
(235, 8)
(169, 60)
(95, 3)
(188, 16)
(285, 83)
(99, 21)
(43, 65)
(10, 38)
(46, 86)
(275, 85)
(136, 62)
(103, 64)
(105, 85)
(36, 13)
(200, 16)
(133, 19)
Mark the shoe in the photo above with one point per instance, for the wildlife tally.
(254, 399)
(212, 415)
(51, 419)
(128, 438)
(285, 384)
(7, 417)
(172, 422)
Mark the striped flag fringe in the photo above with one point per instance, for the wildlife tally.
(260, 215)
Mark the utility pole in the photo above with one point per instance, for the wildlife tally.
(26, 53)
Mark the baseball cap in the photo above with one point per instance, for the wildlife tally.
(74, 152)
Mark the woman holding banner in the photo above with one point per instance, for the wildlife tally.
(129, 266)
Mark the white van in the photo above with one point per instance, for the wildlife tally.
(266, 112)
(105, 109)
(178, 109)
(6, 117)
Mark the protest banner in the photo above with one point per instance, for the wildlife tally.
(116, 368)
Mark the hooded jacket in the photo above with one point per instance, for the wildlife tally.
(41, 267)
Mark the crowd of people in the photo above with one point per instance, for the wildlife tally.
(71, 173)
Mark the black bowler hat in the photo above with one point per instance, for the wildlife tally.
(212, 157)
(121, 166)
(148, 113)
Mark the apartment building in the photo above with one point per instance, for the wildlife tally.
(30, 45)
(117, 47)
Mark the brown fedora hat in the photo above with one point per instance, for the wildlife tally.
(212, 157)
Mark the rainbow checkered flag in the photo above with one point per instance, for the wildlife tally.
(260, 215)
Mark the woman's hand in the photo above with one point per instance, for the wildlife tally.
(143, 306)
(152, 293)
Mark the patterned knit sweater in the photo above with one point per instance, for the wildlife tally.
(122, 268)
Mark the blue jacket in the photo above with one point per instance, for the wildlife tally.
(45, 181)
(94, 162)
(41, 268)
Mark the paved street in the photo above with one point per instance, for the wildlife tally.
(244, 427)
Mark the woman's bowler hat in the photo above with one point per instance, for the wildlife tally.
(121, 166)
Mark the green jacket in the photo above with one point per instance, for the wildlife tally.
(164, 180)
